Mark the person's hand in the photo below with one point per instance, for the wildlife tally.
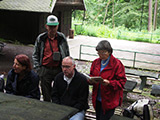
(105, 82)
(92, 81)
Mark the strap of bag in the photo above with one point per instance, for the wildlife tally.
(50, 45)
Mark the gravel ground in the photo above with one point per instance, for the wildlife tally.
(84, 66)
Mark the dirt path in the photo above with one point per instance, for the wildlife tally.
(10, 50)
(118, 44)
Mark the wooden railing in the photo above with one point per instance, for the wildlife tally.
(134, 57)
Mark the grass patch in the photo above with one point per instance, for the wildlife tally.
(117, 33)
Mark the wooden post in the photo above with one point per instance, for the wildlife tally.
(71, 33)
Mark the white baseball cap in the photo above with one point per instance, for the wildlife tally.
(52, 20)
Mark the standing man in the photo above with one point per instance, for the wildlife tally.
(71, 88)
(50, 48)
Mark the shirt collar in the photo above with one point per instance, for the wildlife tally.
(53, 38)
(68, 80)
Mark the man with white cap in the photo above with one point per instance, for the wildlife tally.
(50, 48)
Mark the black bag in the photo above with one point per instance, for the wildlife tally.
(141, 108)
(56, 56)
(1, 83)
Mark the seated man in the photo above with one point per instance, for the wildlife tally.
(71, 88)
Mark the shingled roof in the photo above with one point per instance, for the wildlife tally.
(28, 5)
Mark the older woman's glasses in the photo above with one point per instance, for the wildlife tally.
(102, 53)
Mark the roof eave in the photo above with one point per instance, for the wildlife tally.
(75, 5)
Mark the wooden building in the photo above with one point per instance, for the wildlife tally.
(23, 20)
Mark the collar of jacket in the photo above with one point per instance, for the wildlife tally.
(45, 36)
(110, 64)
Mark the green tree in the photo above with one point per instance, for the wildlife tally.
(132, 14)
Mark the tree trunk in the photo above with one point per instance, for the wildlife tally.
(106, 11)
(155, 15)
(113, 15)
(150, 16)
(98, 14)
(141, 15)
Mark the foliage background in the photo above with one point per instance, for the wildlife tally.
(127, 13)
(124, 15)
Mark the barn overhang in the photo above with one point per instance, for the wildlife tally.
(74, 4)
(42, 6)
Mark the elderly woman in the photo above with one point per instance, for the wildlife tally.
(107, 94)
(22, 80)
